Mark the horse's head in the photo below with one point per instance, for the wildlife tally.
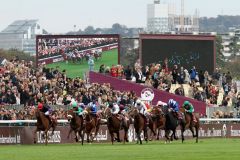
(107, 113)
(156, 111)
(133, 112)
(70, 114)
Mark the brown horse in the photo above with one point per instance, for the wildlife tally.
(157, 121)
(43, 124)
(92, 125)
(76, 124)
(115, 124)
(188, 123)
(139, 124)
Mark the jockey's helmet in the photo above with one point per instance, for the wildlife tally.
(138, 102)
(186, 103)
(170, 102)
(40, 106)
(74, 104)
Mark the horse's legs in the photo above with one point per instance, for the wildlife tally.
(182, 133)
(112, 137)
(158, 133)
(139, 137)
(35, 136)
(88, 137)
(145, 135)
(174, 134)
(167, 136)
(192, 130)
(76, 135)
(70, 131)
(82, 135)
(118, 137)
(46, 137)
(196, 128)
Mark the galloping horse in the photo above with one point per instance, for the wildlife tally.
(92, 125)
(188, 123)
(115, 125)
(76, 124)
(157, 121)
(139, 124)
(43, 124)
(170, 124)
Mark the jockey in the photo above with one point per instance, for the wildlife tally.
(93, 108)
(77, 109)
(141, 107)
(189, 109)
(114, 108)
(174, 106)
(142, 110)
(46, 110)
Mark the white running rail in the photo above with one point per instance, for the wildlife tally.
(66, 121)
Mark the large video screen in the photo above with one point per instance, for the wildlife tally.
(76, 48)
(186, 52)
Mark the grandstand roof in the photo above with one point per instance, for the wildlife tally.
(19, 26)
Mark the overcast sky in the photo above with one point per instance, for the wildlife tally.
(59, 16)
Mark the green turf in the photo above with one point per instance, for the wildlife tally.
(206, 149)
(75, 70)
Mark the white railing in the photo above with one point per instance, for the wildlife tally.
(66, 121)
(27, 121)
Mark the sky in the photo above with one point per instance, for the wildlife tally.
(60, 16)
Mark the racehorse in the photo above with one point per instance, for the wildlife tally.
(170, 124)
(114, 125)
(139, 124)
(157, 121)
(43, 124)
(188, 123)
(92, 125)
(76, 124)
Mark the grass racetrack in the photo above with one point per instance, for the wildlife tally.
(77, 70)
(206, 149)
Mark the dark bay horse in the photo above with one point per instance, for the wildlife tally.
(92, 125)
(139, 124)
(76, 124)
(114, 125)
(157, 121)
(188, 123)
(43, 124)
(170, 124)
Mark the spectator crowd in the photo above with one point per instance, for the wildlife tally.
(217, 89)
(23, 87)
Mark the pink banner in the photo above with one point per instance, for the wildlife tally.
(123, 85)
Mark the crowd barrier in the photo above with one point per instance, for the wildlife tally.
(124, 85)
(24, 134)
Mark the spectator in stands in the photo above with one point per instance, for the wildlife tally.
(180, 91)
(186, 77)
(128, 73)
(181, 76)
(193, 74)
(102, 69)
